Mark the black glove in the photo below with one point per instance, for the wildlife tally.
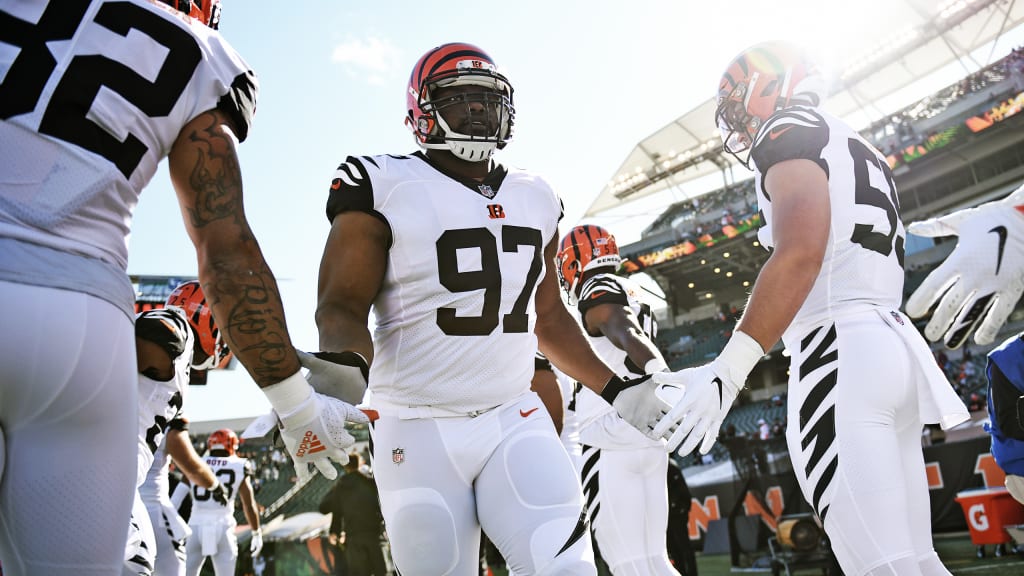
(635, 401)
(220, 493)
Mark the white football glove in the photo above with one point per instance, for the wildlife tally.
(636, 402)
(980, 282)
(342, 375)
(708, 394)
(312, 425)
(256, 545)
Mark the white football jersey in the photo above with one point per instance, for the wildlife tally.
(611, 289)
(86, 117)
(455, 313)
(863, 264)
(160, 402)
(231, 471)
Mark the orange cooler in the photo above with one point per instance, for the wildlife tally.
(987, 511)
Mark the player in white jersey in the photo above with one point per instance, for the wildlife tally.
(623, 471)
(452, 252)
(862, 379)
(95, 93)
(213, 521)
(170, 342)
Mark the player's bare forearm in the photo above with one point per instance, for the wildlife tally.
(249, 506)
(546, 386)
(179, 447)
(800, 226)
(357, 241)
(238, 283)
(780, 290)
(619, 325)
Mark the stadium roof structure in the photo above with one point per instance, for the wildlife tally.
(915, 39)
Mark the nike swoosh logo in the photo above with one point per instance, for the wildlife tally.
(772, 135)
(336, 184)
(1001, 232)
(718, 381)
(525, 413)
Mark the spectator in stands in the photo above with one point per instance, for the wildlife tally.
(624, 471)
(1005, 388)
(830, 289)
(356, 522)
(764, 431)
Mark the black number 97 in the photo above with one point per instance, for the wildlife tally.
(487, 278)
(66, 115)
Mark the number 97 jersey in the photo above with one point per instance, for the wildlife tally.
(455, 311)
(93, 97)
(863, 263)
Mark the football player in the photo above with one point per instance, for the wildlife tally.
(862, 381)
(170, 342)
(213, 519)
(95, 94)
(980, 282)
(454, 251)
(624, 472)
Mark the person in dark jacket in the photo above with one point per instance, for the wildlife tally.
(356, 522)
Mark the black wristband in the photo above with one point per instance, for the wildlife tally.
(612, 389)
(346, 358)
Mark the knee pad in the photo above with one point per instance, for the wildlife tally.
(422, 531)
(535, 448)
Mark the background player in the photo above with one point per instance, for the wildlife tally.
(624, 471)
(452, 250)
(213, 522)
(95, 94)
(168, 340)
(862, 380)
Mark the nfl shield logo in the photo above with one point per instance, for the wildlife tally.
(398, 455)
(486, 191)
(897, 317)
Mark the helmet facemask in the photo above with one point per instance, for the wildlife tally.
(491, 104)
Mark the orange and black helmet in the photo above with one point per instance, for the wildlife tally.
(223, 439)
(584, 248)
(206, 11)
(760, 81)
(189, 297)
(458, 64)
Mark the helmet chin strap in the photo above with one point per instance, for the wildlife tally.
(468, 150)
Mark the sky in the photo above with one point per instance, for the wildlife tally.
(591, 80)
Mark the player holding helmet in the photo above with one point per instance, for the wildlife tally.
(862, 380)
(623, 471)
(95, 94)
(454, 250)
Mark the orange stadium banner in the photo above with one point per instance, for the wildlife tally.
(1009, 107)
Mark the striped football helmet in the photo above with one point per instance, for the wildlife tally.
(584, 248)
(763, 79)
(223, 439)
(206, 11)
(453, 65)
(189, 297)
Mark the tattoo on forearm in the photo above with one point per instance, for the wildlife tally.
(216, 176)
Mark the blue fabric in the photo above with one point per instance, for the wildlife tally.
(1009, 357)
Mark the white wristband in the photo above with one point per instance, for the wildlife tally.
(287, 395)
(655, 364)
(739, 356)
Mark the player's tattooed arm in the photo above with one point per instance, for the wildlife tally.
(238, 284)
